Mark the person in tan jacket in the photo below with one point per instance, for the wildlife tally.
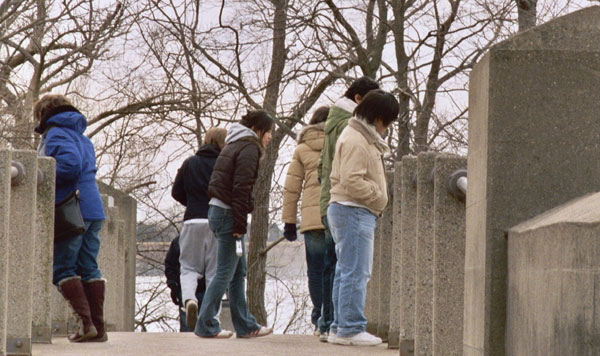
(301, 181)
(358, 196)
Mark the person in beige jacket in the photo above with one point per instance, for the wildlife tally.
(358, 196)
(301, 181)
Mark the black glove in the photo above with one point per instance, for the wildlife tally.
(289, 232)
(175, 296)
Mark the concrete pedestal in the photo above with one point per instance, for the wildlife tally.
(42, 283)
(21, 248)
(448, 260)
(5, 159)
(424, 253)
(533, 144)
(408, 246)
(396, 265)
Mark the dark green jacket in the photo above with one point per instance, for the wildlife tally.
(339, 114)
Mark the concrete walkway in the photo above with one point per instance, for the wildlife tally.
(177, 344)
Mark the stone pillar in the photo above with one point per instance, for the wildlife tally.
(373, 299)
(424, 253)
(553, 306)
(408, 247)
(128, 209)
(108, 263)
(448, 260)
(42, 282)
(396, 270)
(119, 282)
(22, 240)
(5, 159)
(128, 213)
(385, 222)
(533, 144)
(61, 313)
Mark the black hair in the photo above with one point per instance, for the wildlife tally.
(319, 115)
(361, 86)
(378, 104)
(259, 119)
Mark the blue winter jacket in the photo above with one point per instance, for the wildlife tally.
(75, 161)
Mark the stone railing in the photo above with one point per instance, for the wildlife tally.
(31, 308)
(415, 295)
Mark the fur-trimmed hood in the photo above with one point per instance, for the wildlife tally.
(313, 136)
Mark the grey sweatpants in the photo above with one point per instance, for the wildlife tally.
(198, 256)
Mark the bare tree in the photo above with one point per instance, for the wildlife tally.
(527, 13)
(46, 46)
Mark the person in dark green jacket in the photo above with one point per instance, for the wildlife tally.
(338, 117)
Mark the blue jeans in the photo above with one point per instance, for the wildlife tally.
(353, 231)
(314, 242)
(329, 263)
(231, 273)
(78, 256)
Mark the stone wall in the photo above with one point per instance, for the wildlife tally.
(553, 306)
(31, 308)
(533, 144)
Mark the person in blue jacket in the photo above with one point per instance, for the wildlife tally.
(75, 265)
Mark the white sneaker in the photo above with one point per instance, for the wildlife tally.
(331, 337)
(191, 313)
(361, 339)
(323, 336)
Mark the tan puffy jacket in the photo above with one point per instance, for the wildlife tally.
(301, 180)
(357, 173)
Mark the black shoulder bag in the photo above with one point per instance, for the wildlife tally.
(68, 221)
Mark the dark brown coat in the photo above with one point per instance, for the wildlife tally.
(233, 178)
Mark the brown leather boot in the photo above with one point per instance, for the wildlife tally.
(94, 291)
(72, 289)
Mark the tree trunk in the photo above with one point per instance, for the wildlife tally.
(259, 230)
(403, 147)
(527, 14)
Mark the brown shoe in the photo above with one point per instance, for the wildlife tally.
(72, 289)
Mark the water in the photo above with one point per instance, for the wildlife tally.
(286, 296)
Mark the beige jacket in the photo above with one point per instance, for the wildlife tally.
(358, 174)
(301, 180)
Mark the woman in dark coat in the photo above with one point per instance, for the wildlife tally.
(230, 191)
(198, 256)
(75, 267)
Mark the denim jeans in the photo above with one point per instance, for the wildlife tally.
(78, 256)
(353, 231)
(314, 243)
(231, 274)
(327, 314)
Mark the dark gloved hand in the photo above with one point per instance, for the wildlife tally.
(175, 296)
(289, 232)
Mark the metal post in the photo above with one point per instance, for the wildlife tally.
(457, 184)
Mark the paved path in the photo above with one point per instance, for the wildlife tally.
(178, 344)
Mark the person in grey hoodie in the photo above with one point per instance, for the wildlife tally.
(230, 194)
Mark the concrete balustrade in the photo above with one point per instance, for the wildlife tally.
(386, 226)
(42, 275)
(424, 255)
(448, 256)
(372, 301)
(127, 246)
(5, 180)
(21, 249)
(408, 244)
(396, 266)
(31, 308)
